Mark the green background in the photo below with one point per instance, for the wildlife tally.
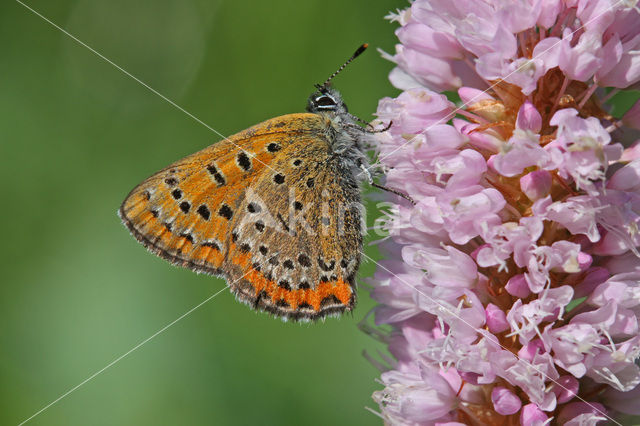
(77, 134)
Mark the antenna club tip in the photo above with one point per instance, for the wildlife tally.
(355, 55)
(360, 50)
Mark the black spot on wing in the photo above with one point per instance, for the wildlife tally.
(204, 212)
(211, 244)
(304, 260)
(288, 264)
(244, 161)
(278, 178)
(217, 176)
(254, 208)
(273, 147)
(329, 301)
(284, 284)
(226, 212)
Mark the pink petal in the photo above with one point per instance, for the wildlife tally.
(536, 185)
(631, 118)
(505, 402)
(529, 118)
(496, 319)
(586, 410)
(426, 40)
(531, 415)
(517, 286)
(566, 388)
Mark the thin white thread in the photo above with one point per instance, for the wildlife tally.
(486, 335)
(124, 355)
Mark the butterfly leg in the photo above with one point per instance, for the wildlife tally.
(365, 170)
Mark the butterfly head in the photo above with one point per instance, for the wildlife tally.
(326, 99)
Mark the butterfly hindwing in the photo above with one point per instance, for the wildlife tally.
(296, 239)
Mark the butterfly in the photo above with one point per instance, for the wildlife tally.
(274, 209)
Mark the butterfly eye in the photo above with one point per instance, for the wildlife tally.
(325, 102)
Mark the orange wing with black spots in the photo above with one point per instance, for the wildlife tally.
(295, 248)
(195, 213)
(182, 213)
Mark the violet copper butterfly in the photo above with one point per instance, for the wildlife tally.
(275, 209)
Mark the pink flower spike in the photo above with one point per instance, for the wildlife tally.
(536, 185)
(504, 401)
(526, 227)
(531, 415)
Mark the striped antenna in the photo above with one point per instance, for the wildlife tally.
(357, 53)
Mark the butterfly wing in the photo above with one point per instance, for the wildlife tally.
(296, 242)
(195, 213)
(183, 212)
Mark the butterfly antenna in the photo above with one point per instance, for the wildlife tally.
(369, 128)
(357, 53)
(359, 120)
(394, 191)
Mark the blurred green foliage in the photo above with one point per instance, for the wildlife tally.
(77, 134)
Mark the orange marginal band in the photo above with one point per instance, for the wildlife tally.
(341, 290)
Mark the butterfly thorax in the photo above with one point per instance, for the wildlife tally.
(347, 139)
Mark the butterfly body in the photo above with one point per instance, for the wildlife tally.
(274, 209)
